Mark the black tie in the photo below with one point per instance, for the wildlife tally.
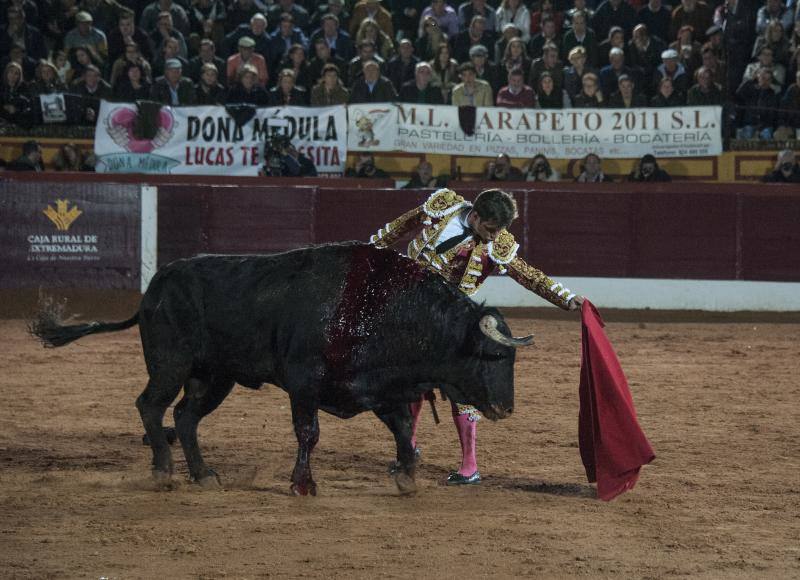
(453, 242)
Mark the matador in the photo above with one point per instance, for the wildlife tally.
(466, 242)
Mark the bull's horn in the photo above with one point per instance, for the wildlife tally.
(488, 325)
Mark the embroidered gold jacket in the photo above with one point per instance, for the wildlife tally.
(471, 262)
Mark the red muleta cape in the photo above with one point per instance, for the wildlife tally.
(613, 446)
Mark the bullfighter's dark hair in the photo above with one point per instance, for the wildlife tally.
(496, 205)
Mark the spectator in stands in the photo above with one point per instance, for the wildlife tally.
(286, 93)
(63, 67)
(369, 30)
(80, 60)
(485, 70)
(790, 104)
(549, 64)
(173, 88)
(207, 18)
(132, 55)
(580, 36)
(515, 56)
(471, 91)
(247, 90)
(445, 16)
(657, 18)
(296, 61)
(372, 87)
(715, 67)
(430, 40)
(509, 33)
(787, 170)
(14, 102)
(573, 74)
(420, 90)
(246, 55)
(92, 89)
(17, 31)
(59, 20)
(132, 84)
(445, 71)
(626, 96)
(208, 90)
(671, 68)
(615, 39)
(590, 96)
(688, 49)
(329, 90)
(766, 60)
(501, 169)
(548, 35)
(339, 42)
(775, 39)
(646, 169)
(87, 36)
(169, 51)
(365, 167)
(106, 13)
(46, 81)
(644, 53)
(738, 23)
(240, 12)
(323, 57)
(548, 96)
(514, 12)
(70, 158)
(284, 160)
(152, 14)
(695, 13)
(284, 37)
(476, 34)
(545, 10)
(371, 9)
(774, 10)
(613, 13)
(577, 6)
(591, 170)
(30, 160)
(423, 178)
(400, 69)
(539, 169)
(715, 41)
(609, 75)
(467, 10)
(124, 33)
(758, 104)
(516, 94)
(164, 32)
(207, 55)
(19, 55)
(366, 53)
(342, 18)
(255, 29)
(705, 92)
(300, 15)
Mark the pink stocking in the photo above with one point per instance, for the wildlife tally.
(467, 435)
(416, 411)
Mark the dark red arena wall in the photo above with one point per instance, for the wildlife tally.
(674, 230)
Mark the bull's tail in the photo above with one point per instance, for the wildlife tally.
(47, 325)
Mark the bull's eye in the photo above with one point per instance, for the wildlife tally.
(492, 355)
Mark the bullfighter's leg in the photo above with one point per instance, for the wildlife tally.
(306, 428)
(467, 427)
(201, 397)
(152, 404)
(399, 422)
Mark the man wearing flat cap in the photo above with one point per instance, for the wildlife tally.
(484, 69)
(671, 67)
(173, 88)
(247, 55)
(86, 35)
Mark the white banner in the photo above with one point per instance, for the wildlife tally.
(207, 141)
(523, 133)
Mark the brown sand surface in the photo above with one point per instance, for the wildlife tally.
(720, 403)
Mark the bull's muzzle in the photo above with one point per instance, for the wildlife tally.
(495, 412)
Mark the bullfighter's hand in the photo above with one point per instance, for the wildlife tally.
(576, 302)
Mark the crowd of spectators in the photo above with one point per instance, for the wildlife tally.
(547, 54)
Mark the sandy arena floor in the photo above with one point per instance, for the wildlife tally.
(720, 403)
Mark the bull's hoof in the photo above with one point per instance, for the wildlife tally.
(163, 479)
(307, 489)
(172, 436)
(210, 481)
(405, 483)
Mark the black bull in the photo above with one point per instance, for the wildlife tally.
(344, 328)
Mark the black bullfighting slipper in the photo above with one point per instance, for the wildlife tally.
(455, 478)
(394, 465)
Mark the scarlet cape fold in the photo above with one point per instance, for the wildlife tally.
(612, 445)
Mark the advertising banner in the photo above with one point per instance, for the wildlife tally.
(209, 141)
(521, 133)
(69, 235)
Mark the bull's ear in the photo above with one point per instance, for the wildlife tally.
(488, 326)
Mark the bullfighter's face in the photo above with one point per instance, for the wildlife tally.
(486, 230)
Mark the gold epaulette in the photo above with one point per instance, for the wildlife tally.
(504, 248)
(443, 202)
